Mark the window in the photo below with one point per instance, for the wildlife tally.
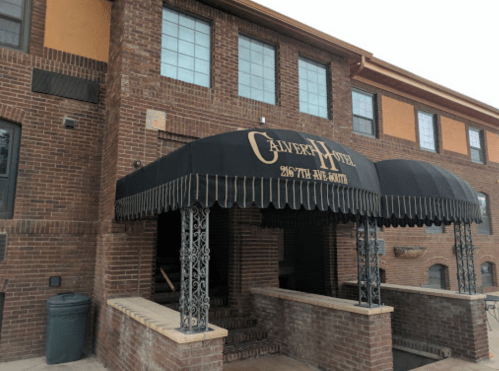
(313, 88)
(363, 112)
(256, 70)
(186, 45)
(9, 152)
(426, 122)
(14, 23)
(476, 148)
(435, 229)
(436, 277)
(484, 227)
(487, 274)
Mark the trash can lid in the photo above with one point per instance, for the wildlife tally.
(67, 299)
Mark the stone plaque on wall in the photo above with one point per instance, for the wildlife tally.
(155, 120)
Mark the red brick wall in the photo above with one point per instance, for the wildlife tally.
(134, 347)
(459, 324)
(322, 337)
(52, 232)
(253, 259)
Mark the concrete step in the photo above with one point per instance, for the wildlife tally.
(251, 349)
(235, 323)
(245, 334)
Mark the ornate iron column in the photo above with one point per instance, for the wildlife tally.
(368, 262)
(466, 276)
(194, 263)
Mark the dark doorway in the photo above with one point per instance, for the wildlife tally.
(168, 256)
(302, 264)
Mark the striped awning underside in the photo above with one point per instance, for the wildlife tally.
(410, 211)
(227, 191)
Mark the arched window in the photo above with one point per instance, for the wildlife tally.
(484, 227)
(436, 277)
(487, 274)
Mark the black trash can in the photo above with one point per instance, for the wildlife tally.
(67, 321)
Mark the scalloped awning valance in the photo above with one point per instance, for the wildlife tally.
(303, 175)
(419, 193)
(281, 168)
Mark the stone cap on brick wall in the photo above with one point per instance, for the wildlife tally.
(320, 301)
(164, 320)
(424, 291)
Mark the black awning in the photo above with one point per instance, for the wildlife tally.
(281, 168)
(418, 193)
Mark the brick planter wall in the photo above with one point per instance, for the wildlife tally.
(323, 332)
(440, 317)
(142, 336)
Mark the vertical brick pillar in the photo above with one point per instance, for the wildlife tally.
(253, 257)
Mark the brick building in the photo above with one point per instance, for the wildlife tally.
(92, 90)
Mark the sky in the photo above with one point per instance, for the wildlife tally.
(452, 43)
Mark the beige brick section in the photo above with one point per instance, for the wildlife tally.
(164, 320)
(320, 301)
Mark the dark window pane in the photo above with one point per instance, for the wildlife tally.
(9, 151)
(10, 32)
(484, 227)
(435, 229)
(436, 275)
(487, 274)
(12, 8)
(476, 155)
(362, 125)
(363, 112)
(5, 139)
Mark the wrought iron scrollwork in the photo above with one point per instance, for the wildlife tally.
(368, 263)
(194, 262)
(466, 276)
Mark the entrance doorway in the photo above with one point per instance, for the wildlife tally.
(167, 273)
(303, 260)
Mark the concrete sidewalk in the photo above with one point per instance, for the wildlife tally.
(38, 364)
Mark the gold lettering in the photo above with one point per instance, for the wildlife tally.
(287, 147)
(305, 148)
(321, 155)
(254, 146)
(297, 148)
(273, 147)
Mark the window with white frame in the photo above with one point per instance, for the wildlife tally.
(14, 23)
(186, 45)
(476, 147)
(313, 87)
(427, 137)
(257, 70)
(484, 227)
(363, 112)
